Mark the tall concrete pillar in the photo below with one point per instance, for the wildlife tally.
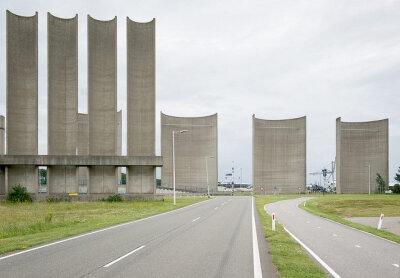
(102, 60)
(62, 51)
(119, 140)
(141, 104)
(82, 148)
(2, 151)
(22, 97)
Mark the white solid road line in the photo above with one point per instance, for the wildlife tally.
(256, 253)
(195, 219)
(396, 265)
(99, 231)
(124, 256)
(327, 267)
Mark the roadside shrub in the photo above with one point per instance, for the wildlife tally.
(18, 194)
(396, 188)
(53, 200)
(48, 217)
(114, 198)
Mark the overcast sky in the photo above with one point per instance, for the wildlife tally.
(276, 59)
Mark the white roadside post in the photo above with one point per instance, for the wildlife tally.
(380, 221)
(273, 221)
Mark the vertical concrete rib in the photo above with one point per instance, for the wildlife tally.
(62, 51)
(192, 148)
(360, 145)
(279, 155)
(22, 96)
(82, 148)
(2, 151)
(141, 103)
(102, 62)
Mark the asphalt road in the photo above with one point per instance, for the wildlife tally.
(210, 239)
(348, 252)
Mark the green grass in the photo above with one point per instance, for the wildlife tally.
(289, 258)
(27, 224)
(336, 207)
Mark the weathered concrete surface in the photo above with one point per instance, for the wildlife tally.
(279, 155)
(119, 141)
(62, 41)
(141, 103)
(359, 144)
(389, 223)
(81, 160)
(2, 151)
(191, 151)
(102, 101)
(83, 148)
(22, 96)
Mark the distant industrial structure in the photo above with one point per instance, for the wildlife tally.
(279, 155)
(361, 152)
(196, 152)
(84, 150)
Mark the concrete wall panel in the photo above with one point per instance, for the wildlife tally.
(191, 150)
(279, 155)
(141, 102)
(62, 99)
(102, 60)
(359, 145)
(22, 96)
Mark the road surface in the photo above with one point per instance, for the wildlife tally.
(210, 239)
(347, 252)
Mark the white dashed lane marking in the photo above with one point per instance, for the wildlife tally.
(358, 246)
(195, 219)
(396, 265)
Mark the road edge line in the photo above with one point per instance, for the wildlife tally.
(99, 231)
(319, 260)
(256, 252)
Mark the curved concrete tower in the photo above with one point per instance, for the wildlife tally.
(279, 155)
(141, 104)
(22, 97)
(102, 101)
(192, 149)
(62, 52)
(361, 152)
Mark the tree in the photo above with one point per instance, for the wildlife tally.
(396, 188)
(397, 177)
(381, 183)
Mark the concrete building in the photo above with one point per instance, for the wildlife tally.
(361, 152)
(22, 97)
(62, 49)
(141, 103)
(279, 155)
(192, 149)
(102, 101)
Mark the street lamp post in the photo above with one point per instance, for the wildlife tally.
(208, 185)
(173, 159)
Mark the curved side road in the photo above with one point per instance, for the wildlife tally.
(343, 251)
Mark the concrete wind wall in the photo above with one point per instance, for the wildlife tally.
(359, 145)
(141, 103)
(82, 148)
(102, 102)
(279, 155)
(2, 151)
(62, 41)
(191, 150)
(22, 97)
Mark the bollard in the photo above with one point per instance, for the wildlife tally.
(380, 222)
(273, 221)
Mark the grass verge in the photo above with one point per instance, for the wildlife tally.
(27, 224)
(290, 259)
(335, 207)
